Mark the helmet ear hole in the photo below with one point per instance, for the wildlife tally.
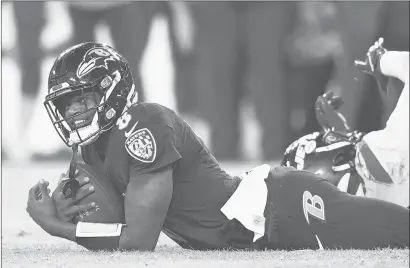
(339, 159)
(343, 157)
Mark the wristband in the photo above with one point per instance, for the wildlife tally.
(98, 236)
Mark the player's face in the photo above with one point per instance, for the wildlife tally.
(80, 107)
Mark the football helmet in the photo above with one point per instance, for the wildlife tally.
(81, 71)
(330, 155)
(331, 152)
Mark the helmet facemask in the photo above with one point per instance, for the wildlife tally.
(83, 127)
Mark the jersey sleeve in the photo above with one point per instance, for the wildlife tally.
(382, 157)
(151, 146)
(386, 151)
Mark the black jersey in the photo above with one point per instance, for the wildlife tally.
(149, 137)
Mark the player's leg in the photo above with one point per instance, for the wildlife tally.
(309, 212)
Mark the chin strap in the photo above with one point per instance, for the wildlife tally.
(132, 98)
(71, 185)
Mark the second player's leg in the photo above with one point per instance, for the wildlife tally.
(310, 213)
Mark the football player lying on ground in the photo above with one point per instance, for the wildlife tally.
(373, 164)
(170, 182)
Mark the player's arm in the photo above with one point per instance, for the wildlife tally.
(152, 152)
(146, 205)
(382, 156)
(395, 64)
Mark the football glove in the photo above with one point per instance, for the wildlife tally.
(371, 65)
(327, 114)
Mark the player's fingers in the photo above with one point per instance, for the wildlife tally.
(80, 216)
(38, 193)
(84, 181)
(33, 192)
(43, 188)
(368, 55)
(380, 41)
(72, 211)
(84, 191)
(360, 64)
(369, 60)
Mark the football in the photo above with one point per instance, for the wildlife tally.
(109, 204)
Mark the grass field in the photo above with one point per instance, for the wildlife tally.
(26, 245)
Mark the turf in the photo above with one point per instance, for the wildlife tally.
(26, 245)
(63, 255)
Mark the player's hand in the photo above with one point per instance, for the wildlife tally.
(39, 204)
(66, 207)
(372, 61)
(371, 65)
(327, 114)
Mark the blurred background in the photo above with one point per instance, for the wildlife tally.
(245, 75)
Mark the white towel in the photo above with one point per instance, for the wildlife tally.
(248, 202)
